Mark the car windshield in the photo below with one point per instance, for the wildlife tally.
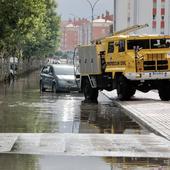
(65, 70)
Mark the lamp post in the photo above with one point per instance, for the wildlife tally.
(92, 15)
(114, 21)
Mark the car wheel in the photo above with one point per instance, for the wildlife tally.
(54, 89)
(42, 89)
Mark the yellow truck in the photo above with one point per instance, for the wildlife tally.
(126, 63)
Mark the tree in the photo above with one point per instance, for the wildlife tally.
(28, 27)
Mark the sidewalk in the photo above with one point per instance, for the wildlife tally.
(147, 109)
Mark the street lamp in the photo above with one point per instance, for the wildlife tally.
(92, 15)
(114, 21)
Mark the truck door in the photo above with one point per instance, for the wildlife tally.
(110, 52)
(121, 53)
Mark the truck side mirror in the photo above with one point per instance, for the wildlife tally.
(117, 44)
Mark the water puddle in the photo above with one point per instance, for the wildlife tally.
(107, 118)
(28, 162)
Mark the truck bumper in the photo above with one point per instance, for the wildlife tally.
(147, 75)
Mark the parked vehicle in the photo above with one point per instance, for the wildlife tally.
(58, 77)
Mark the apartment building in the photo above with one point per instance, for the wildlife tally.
(78, 31)
(156, 13)
(71, 33)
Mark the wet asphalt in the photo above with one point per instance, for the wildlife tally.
(25, 110)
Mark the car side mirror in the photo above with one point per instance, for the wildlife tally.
(45, 71)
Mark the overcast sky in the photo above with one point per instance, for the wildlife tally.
(81, 8)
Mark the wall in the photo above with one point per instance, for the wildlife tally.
(24, 66)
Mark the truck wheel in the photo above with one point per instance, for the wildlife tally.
(124, 89)
(90, 93)
(132, 91)
(164, 92)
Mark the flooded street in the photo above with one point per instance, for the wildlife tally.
(25, 110)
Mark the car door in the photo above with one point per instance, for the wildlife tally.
(44, 76)
(50, 77)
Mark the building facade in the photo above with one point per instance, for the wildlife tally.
(153, 12)
(78, 31)
(101, 28)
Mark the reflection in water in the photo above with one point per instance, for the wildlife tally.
(24, 109)
(18, 162)
(137, 163)
(28, 162)
(107, 118)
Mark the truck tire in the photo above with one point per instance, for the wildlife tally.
(164, 92)
(90, 94)
(124, 88)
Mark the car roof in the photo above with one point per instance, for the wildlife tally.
(61, 65)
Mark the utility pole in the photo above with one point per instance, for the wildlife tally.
(114, 22)
(92, 15)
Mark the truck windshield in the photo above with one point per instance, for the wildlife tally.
(160, 43)
(131, 44)
(148, 43)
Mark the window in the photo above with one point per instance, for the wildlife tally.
(144, 44)
(51, 70)
(110, 47)
(160, 43)
(148, 44)
(46, 69)
(103, 31)
(63, 70)
(121, 45)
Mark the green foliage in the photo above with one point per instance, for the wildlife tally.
(29, 27)
(59, 53)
